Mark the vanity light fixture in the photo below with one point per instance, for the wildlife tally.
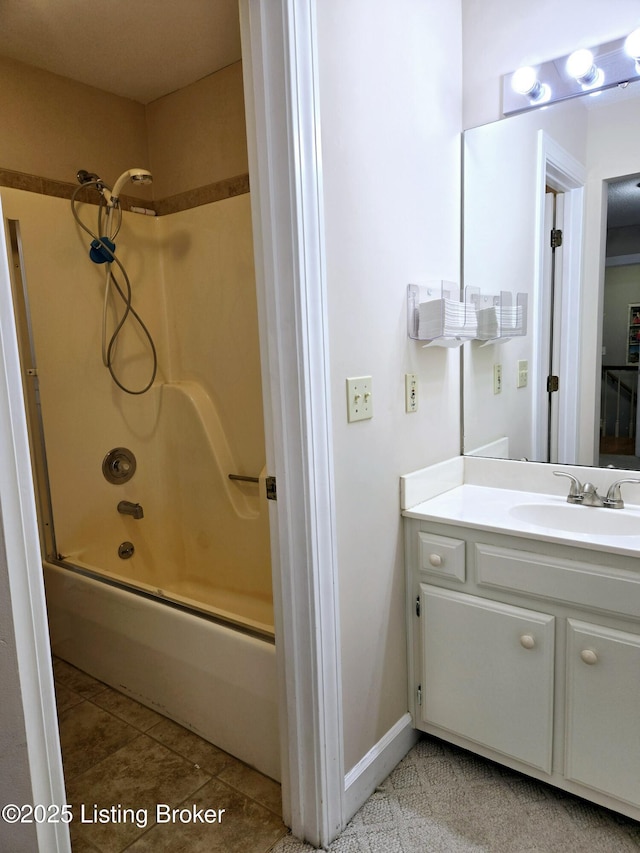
(584, 71)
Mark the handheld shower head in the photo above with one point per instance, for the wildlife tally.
(137, 176)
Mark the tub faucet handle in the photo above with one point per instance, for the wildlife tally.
(576, 495)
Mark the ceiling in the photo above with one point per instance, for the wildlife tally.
(138, 49)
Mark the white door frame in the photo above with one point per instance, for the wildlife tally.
(282, 105)
(565, 174)
(281, 93)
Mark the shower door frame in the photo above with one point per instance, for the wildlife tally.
(24, 571)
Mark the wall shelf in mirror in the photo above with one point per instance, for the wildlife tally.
(438, 316)
(500, 316)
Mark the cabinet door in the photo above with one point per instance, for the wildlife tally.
(487, 671)
(603, 710)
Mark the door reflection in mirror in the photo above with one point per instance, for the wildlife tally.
(619, 440)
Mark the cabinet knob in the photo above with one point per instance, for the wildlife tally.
(589, 656)
(435, 560)
(527, 641)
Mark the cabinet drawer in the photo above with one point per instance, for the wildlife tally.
(441, 556)
(614, 590)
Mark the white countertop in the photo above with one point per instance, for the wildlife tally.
(490, 508)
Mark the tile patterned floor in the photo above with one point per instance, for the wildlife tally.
(441, 799)
(118, 754)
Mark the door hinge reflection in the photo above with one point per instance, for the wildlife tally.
(556, 238)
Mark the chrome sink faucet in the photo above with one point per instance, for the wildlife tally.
(590, 496)
(587, 495)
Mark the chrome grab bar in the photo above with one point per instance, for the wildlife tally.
(244, 479)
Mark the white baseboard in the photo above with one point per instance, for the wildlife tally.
(362, 780)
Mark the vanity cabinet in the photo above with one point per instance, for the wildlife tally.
(529, 658)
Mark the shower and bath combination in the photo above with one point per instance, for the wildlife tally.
(103, 251)
(170, 564)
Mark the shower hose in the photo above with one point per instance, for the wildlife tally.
(103, 251)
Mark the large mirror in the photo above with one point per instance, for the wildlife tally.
(574, 168)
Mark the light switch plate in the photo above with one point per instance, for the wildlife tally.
(359, 398)
(497, 378)
(410, 392)
(523, 374)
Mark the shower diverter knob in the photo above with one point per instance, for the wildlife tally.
(119, 465)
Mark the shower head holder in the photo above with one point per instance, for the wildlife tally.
(85, 177)
(102, 250)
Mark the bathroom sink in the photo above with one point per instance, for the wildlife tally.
(578, 519)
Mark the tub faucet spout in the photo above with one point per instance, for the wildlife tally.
(128, 508)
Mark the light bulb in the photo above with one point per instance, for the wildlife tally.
(525, 82)
(632, 44)
(581, 66)
(579, 63)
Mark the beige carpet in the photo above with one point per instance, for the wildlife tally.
(441, 799)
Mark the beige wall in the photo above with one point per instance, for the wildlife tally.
(197, 135)
(54, 126)
(189, 139)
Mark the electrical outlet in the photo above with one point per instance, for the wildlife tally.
(523, 374)
(410, 392)
(497, 378)
(359, 399)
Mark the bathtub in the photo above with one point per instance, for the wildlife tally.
(173, 606)
(217, 679)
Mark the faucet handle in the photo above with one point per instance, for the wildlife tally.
(614, 495)
(575, 495)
